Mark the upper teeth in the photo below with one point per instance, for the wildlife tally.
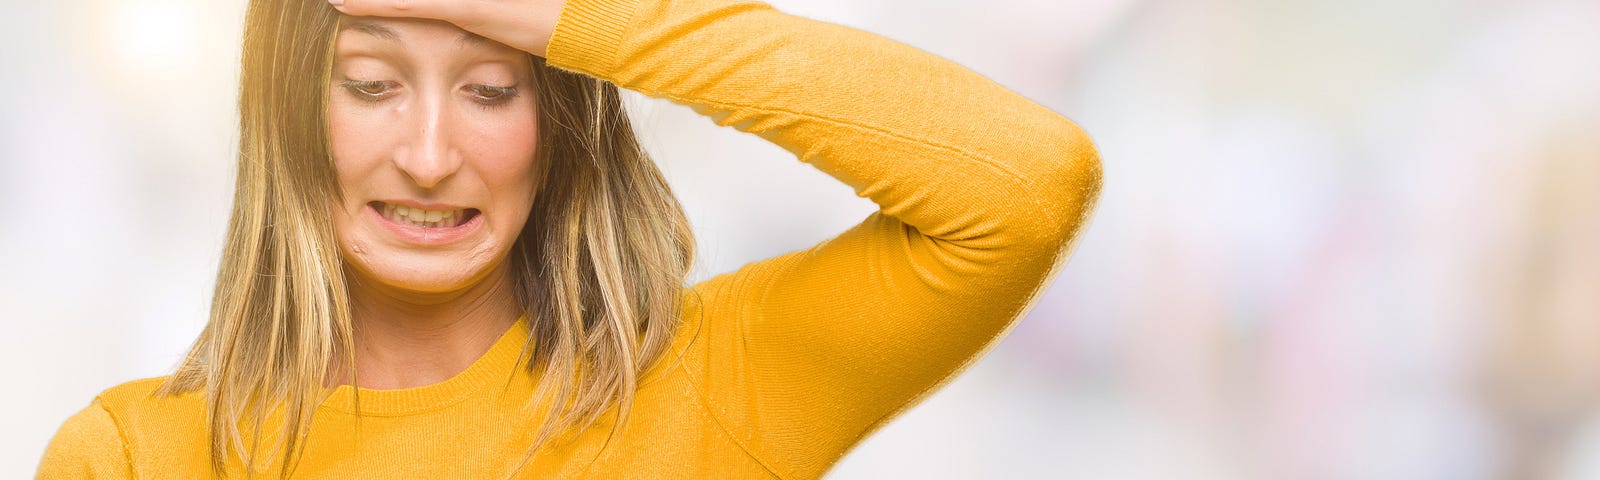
(424, 218)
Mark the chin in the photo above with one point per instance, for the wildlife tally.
(427, 280)
(425, 272)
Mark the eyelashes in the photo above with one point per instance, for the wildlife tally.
(363, 90)
(487, 96)
(490, 95)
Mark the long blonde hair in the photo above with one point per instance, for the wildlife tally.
(599, 266)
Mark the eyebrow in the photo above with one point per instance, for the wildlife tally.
(466, 39)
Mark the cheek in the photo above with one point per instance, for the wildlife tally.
(506, 158)
(504, 161)
(357, 138)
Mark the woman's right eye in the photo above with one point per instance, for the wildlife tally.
(370, 91)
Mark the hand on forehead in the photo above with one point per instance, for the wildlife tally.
(521, 24)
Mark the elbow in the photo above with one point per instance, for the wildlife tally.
(1064, 190)
(1077, 168)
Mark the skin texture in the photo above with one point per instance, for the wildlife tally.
(419, 111)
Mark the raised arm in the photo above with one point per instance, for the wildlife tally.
(982, 193)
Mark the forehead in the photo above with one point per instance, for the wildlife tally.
(412, 34)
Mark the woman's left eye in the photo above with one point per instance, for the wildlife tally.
(370, 91)
(492, 95)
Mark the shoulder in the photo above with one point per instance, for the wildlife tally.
(128, 391)
(88, 445)
(137, 407)
(121, 424)
(148, 419)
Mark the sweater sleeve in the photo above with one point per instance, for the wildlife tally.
(88, 446)
(981, 196)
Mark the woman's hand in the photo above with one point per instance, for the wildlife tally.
(521, 24)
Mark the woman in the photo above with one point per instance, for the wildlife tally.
(446, 197)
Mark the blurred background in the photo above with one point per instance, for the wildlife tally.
(1347, 239)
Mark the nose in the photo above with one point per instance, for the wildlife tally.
(429, 158)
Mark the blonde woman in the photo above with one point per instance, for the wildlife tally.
(448, 257)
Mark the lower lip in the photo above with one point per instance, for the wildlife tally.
(424, 235)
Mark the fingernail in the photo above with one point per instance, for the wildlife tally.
(336, 3)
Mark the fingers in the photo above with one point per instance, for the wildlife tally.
(436, 9)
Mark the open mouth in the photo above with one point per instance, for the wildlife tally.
(424, 218)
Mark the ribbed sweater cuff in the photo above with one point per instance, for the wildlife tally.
(587, 35)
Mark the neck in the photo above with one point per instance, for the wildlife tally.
(409, 339)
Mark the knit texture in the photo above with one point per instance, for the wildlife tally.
(780, 367)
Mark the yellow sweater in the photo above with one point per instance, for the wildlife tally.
(782, 366)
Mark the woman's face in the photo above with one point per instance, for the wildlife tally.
(433, 133)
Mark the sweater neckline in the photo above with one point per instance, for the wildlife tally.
(497, 363)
